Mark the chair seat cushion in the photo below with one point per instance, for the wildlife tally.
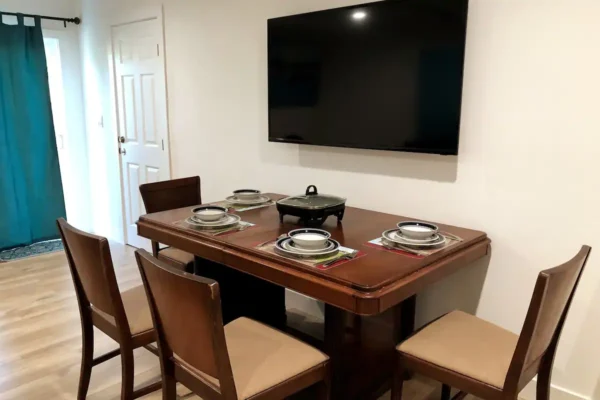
(262, 357)
(467, 345)
(176, 258)
(137, 310)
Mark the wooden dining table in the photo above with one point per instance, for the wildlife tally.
(369, 301)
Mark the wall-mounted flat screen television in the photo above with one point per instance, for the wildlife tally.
(386, 75)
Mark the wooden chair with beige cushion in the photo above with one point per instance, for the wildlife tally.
(125, 317)
(242, 360)
(478, 357)
(169, 195)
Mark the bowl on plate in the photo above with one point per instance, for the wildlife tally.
(247, 194)
(309, 238)
(417, 230)
(210, 213)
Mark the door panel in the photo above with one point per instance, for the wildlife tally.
(142, 114)
(152, 174)
(149, 110)
(129, 111)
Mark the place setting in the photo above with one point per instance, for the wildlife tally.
(215, 220)
(414, 238)
(245, 200)
(312, 247)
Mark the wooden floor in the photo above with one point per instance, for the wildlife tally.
(40, 342)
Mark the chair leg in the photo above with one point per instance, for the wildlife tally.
(169, 388)
(87, 359)
(324, 387)
(127, 372)
(167, 370)
(446, 392)
(323, 391)
(398, 382)
(542, 391)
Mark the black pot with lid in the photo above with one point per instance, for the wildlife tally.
(312, 208)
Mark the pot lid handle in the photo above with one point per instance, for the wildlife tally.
(314, 191)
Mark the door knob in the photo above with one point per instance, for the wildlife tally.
(121, 139)
(123, 151)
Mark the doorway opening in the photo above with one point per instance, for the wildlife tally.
(64, 78)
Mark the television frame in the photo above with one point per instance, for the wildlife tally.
(447, 152)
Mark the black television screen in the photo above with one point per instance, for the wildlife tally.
(385, 75)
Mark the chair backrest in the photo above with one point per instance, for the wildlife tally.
(92, 272)
(552, 296)
(169, 195)
(186, 310)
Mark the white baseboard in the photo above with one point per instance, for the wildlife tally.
(556, 393)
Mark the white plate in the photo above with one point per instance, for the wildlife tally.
(390, 236)
(400, 236)
(259, 200)
(229, 220)
(281, 248)
(291, 246)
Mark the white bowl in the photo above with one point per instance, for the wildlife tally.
(210, 213)
(309, 238)
(417, 230)
(247, 194)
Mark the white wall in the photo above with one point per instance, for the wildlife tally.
(529, 151)
(105, 190)
(53, 8)
(57, 8)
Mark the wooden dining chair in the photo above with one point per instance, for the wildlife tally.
(169, 195)
(125, 317)
(241, 360)
(480, 358)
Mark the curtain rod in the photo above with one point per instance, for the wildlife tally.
(75, 21)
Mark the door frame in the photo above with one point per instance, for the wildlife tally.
(126, 17)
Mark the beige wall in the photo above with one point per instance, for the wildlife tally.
(529, 149)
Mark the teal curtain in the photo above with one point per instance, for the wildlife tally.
(31, 193)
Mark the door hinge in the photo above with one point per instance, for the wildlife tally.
(157, 50)
(163, 144)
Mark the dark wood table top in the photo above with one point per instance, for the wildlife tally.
(366, 285)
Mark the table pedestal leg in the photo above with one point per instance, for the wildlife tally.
(244, 295)
(363, 349)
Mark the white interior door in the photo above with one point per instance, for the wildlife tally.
(139, 74)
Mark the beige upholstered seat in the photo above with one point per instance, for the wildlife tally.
(262, 357)
(175, 257)
(137, 310)
(465, 344)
